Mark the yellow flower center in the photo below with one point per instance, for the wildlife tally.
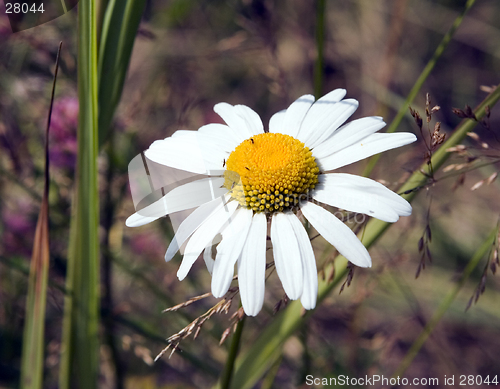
(270, 172)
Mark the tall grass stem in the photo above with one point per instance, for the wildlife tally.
(227, 373)
(80, 343)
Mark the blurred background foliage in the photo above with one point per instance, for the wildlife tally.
(188, 56)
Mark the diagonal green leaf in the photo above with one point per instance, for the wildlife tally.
(80, 345)
(119, 29)
(254, 363)
(34, 326)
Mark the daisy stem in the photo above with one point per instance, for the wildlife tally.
(320, 45)
(227, 374)
(445, 304)
(420, 81)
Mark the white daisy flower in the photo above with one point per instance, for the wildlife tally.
(272, 177)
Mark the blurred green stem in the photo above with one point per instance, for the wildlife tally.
(101, 11)
(320, 46)
(227, 374)
(107, 273)
(420, 81)
(63, 4)
(446, 303)
(268, 380)
(119, 29)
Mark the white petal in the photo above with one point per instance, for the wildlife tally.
(349, 134)
(184, 134)
(315, 118)
(252, 119)
(180, 151)
(252, 266)
(331, 120)
(337, 234)
(228, 251)
(213, 154)
(287, 256)
(191, 224)
(241, 120)
(178, 199)
(276, 122)
(371, 145)
(137, 220)
(295, 115)
(219, 134)
(310, 292)
(203, 235)
(360, 194)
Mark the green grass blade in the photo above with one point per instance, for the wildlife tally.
(34, 326)
(80, 344)
(119, 29)
(254, 363)
(420, 81)
(32, 361)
